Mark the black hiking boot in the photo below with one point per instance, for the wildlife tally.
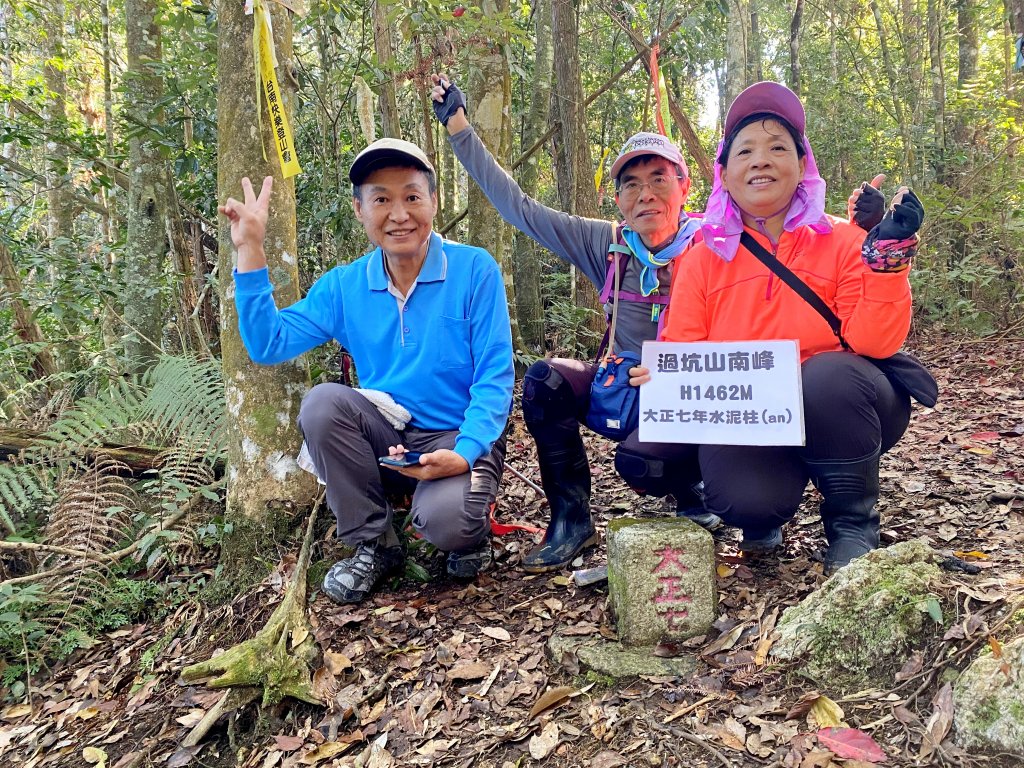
(549, 408)
(850, 493)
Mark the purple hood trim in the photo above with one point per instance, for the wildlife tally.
(723, 225)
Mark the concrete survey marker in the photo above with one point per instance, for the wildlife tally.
(661, 580)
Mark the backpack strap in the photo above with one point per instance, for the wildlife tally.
(617, 250)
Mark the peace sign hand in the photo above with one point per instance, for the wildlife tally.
(249, 218)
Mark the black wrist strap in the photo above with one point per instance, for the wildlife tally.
(787, 276)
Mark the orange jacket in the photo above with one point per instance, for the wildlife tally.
(717, 300)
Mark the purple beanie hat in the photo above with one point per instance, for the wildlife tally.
(722, 224)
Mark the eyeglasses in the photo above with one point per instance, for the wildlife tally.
(659, 185)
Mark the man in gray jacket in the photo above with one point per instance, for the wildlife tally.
(651, 185)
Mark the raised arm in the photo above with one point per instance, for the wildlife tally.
(580, 241)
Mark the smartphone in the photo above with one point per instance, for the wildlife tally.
(407, 459)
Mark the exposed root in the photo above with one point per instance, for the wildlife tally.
(278, 658)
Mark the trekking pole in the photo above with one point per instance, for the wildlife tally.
(525, 479)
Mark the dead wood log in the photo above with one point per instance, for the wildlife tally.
(138, 458)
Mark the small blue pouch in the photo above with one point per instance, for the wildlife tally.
(614, 405)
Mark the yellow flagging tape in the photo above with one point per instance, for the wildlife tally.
(600, 169)
(265, 61)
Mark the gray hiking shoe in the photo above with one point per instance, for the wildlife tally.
(469, 563)
(761, 542)
(352, 579)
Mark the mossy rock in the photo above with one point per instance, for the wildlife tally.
(988, 701)
(862, 624)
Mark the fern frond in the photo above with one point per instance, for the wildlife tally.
(94, 509)
(25, 488)
(185, 398)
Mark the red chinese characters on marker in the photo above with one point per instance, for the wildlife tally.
(669, 598)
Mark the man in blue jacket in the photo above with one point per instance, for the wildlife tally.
(426, 322)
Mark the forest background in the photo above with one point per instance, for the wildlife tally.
(124, 389)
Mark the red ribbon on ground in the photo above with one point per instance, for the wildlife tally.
(503, 529)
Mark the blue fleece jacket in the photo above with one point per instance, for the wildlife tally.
(447, 357)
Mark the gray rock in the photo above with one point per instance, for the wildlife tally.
(864, 622)
(616, 660)
(988, 701)
(661, 580)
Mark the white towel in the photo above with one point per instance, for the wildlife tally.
(396, 415)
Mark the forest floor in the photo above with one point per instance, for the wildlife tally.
(453, 674)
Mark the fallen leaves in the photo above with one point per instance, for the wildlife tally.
(826, 713)
(551, 698)
(471, 670)
(95, 756)
(447, 673)
(497, 633)
(851, 744)
(544, 743)
(938, 724)
(288, 743)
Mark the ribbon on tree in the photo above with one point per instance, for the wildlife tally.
(661, 113)
(265, 64)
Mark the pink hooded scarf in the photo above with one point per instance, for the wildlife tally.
(723, 225)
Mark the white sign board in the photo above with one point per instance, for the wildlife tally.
(722, 393)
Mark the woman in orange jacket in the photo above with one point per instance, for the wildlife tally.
(767, 184)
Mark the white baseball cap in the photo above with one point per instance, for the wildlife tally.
(649, 144)
(383, 152)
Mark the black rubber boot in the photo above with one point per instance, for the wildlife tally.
(850, 491)
(549, 408)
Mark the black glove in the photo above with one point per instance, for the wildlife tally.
(869, 208)
(902, 220)
(453, 100)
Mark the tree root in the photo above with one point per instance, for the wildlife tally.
(278, 658)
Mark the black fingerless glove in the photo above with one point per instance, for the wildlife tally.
(892, 243)
(903, 221)
(869, 208)
(453, 100)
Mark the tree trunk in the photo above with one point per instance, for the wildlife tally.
(263, 402)
(108, 116)
(58, 184)
(1016, 8)
(794, 47)
(967, 70)
(938, 83)
(25, 325)
(898, 111)
(578, 168)
(490, 89)
(186, 287)
(426, 110)
(146, 247)
(967, 42)
(736, 39)
(139, 459)
(390, 123)
(526, 261)
(755, 52)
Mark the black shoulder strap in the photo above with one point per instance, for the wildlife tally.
(767, 258)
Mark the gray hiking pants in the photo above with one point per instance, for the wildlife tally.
(345, 434)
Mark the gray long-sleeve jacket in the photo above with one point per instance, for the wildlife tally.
(580, 241)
